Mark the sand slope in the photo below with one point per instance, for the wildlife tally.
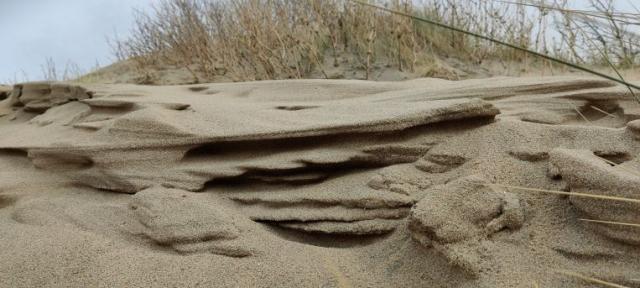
(319, 183)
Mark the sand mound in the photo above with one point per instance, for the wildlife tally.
(174, 219)
(40, 96)
(634, 127)
(584, 172)
(319, 183)
(457, 217)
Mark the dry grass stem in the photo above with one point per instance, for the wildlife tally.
(611, 222)
(581, 115)
(575, 194)
(603, 112)
(590, 279)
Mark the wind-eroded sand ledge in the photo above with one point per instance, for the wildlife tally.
(318, 183)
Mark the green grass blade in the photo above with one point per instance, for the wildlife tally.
(627, 18)
(604, 54)
(544, 56)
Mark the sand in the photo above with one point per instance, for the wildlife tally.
(319, 183)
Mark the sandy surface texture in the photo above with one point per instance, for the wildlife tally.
(320, 183)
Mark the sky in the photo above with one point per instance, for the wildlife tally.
(31, 31)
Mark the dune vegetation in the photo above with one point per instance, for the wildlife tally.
(287, 39)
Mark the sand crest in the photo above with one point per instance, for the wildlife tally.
(319, 183)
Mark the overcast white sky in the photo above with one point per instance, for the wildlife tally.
(65, 30)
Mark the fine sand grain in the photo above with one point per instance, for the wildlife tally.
(320, 183)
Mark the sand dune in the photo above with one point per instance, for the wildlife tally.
(319, 183)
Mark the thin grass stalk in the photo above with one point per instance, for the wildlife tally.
(611, 222)
(581, 115)
(594, 14)
(606, 58)
(576, 194)
(603, 112)
(590, 279)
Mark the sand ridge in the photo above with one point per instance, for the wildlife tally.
(311, 183)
